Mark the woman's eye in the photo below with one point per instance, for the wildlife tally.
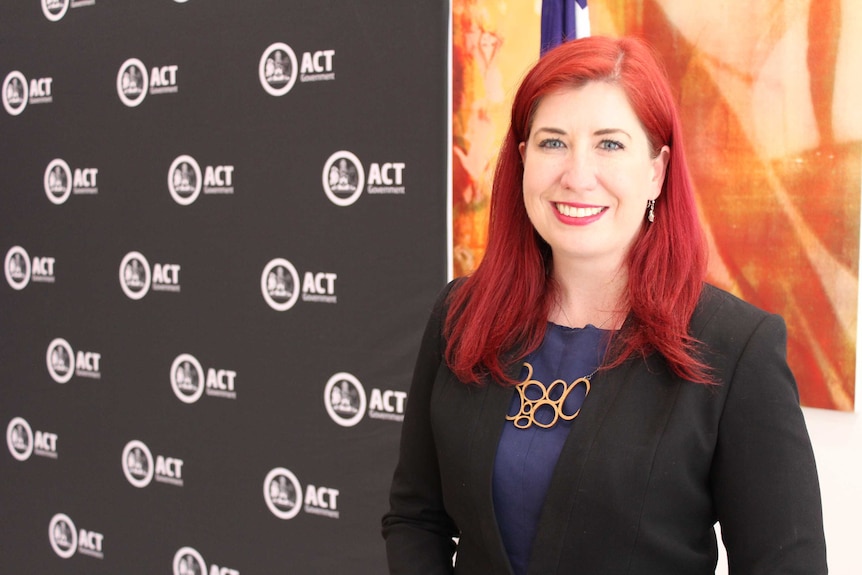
(551, 143)
(611, 145)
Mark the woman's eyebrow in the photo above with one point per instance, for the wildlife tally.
(608, 131)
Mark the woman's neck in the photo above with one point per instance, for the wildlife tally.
(589, 295)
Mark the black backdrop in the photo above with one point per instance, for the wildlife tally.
(175, 399)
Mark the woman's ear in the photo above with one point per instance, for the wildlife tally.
(659, 165)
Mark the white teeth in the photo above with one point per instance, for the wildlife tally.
(573, 212)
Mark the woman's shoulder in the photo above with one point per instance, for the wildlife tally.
(723, 315)
(440, 307)
(444, 296)
(714, 298)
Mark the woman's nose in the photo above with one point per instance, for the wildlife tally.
(579, 170)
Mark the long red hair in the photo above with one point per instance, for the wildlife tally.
(499, 313)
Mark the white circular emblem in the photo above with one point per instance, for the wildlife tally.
(19, 438)
(279, 284)
(343, 178)
(283, 493)
(344, 398)
(138, 463)
(17, 267)
(187, 378)
(15, 93)
(58, 181)
(132, 82)
(61, 360)
(54, 10)
(135, 275)
(63, 535)
(188, 561)
(184, 180)
(278, 69)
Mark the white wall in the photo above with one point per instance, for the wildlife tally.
(837, 439)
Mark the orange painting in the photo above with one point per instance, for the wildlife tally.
(769, 95)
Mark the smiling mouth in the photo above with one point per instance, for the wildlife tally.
(573, 212)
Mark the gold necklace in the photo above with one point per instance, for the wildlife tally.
(526, 416)
(570, 324)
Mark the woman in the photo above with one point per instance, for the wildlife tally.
(584, 403)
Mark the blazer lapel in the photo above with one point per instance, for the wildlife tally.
(483, 451)
(564, 488)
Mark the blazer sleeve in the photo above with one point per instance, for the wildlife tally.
(418, 531)
(764, 477)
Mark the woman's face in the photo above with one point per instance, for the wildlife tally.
(588, 173)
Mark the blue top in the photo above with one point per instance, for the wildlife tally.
(526, 457)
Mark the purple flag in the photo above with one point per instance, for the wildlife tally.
(563, 20)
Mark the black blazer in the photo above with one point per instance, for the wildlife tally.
(651, 463)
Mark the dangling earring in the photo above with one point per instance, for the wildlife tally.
(650, 204)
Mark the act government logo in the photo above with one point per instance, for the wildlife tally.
(344, 178)
(285, 498)
(60, 182)
(54, 10)
(134, 83)
(347, 403)
(63, 362)
(140, 468)
(186, 180)
(66, 539)
(189, 380)
(18, 92)
(23, 442)
(281, 286)
(279, 68)
(188, 561)
(137, 277)
(20, 269)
